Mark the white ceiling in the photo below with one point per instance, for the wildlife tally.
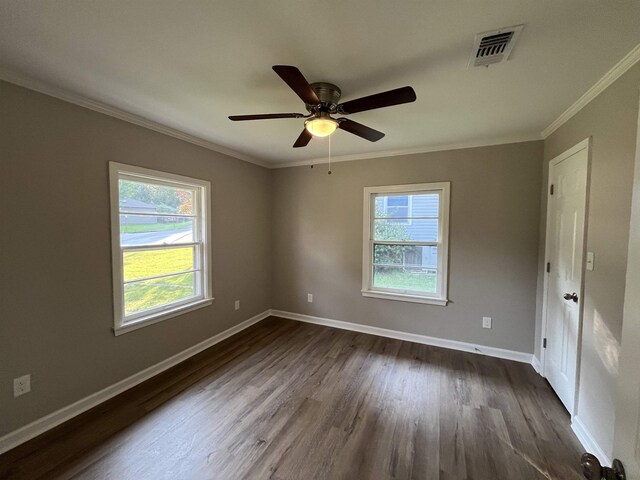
(189, 64)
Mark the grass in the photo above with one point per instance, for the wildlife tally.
(153, 227)
(151, 263)
(159, 291)
(405, 281)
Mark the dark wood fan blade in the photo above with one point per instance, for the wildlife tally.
(360, 130)
(379, 100)
(297, 83)
(303, 139)
(265, 116)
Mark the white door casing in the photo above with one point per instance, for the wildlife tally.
(566, 218)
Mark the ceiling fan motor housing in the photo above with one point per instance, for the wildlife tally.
(329, 95)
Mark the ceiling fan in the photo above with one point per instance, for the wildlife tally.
(321, 100)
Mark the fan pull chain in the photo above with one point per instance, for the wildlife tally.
(329, 155)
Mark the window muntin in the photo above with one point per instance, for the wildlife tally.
(160, 262)
(406, 241)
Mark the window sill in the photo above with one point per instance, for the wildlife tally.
(160, 316)
(405, 298)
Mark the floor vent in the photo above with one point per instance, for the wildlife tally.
(494, 46)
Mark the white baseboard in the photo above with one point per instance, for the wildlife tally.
(410, 337)
(537, 366)
(32, 430)
(588, 441)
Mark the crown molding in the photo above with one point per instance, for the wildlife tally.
(120, 114)
(611, 76)
(411, 151)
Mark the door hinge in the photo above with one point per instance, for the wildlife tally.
(551, 190)
(544, 343)
(548, 267)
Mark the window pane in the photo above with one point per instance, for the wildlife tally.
(406, 255)
(425, 205)
(417, 230)
(151, 263)
(392, 206)
(397, 206)
(148, 294)
(140, 197)
(398, 201)
(405, 278)
(153, 230)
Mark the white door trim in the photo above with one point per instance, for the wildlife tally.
(584, 144)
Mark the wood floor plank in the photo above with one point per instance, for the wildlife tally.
(284, 400)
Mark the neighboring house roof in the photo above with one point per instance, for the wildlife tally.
(133, 203)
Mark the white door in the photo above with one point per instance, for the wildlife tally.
(565, 238)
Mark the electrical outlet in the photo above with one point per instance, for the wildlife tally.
(237, 305)
(486, 322)
(310, 297)
(21, 385)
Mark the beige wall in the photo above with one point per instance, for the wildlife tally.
(495, 212)
(611, 121)
(56, 308)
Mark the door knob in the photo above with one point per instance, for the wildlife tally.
(571, 296)
(592, 469)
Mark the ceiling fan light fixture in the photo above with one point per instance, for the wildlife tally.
(322, 126)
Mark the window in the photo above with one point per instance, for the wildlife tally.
(406, 230)
(159, 234)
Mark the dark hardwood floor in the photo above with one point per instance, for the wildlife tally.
(288, 400)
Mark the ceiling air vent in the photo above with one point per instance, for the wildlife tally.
(494, 46)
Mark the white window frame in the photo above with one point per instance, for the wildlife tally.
(368, 290)
(202, 236)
